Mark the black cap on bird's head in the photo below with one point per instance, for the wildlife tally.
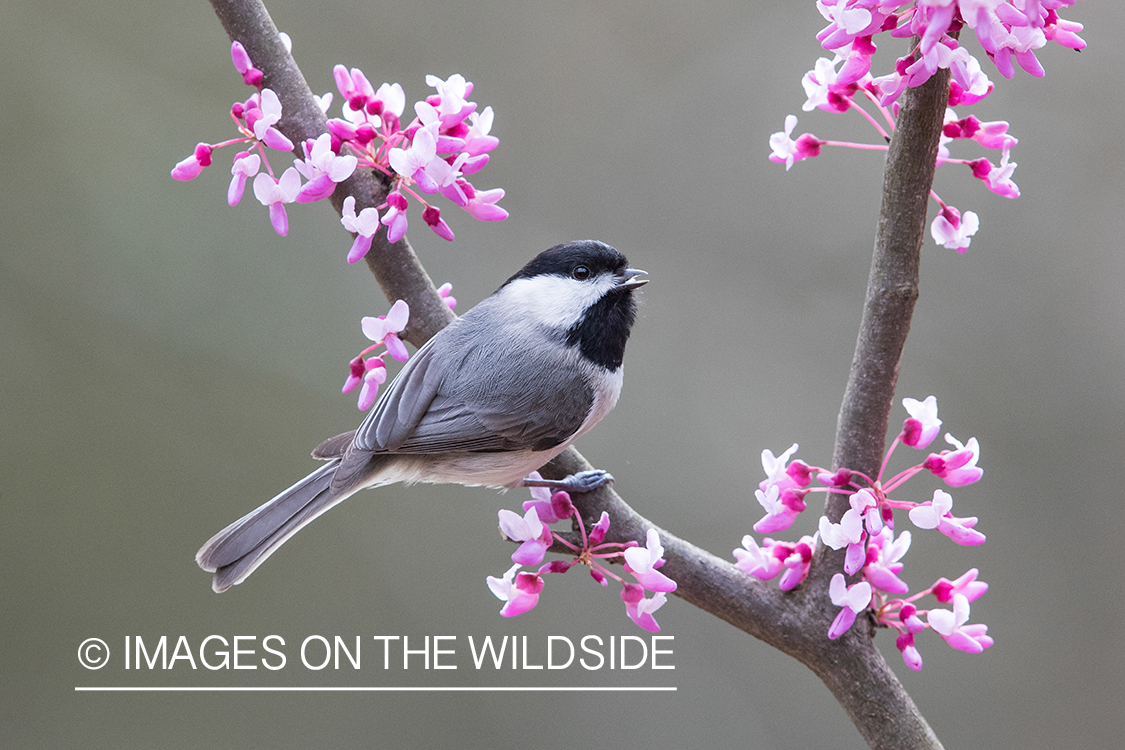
(598, 279)
(581, 259)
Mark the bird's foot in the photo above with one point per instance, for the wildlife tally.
(583, 481)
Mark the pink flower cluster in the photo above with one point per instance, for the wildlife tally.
(519, 590)
(371, 371)
(434, 152)
(866, 533)
(1007, 30)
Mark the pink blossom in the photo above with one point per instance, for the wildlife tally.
(639, 608)
(882, 567)
(245, 165)
(642, 564)
(432, 216)
(782, 508)
(760, 562)
(275, 194)
(599, 530)
(445, 291)
(923, 425)
(262, 121)
(323, 169)
(786, 150)
(477, 140)
(411, 162)
(910, 655)
(385, 330)
(999, 180)
(520, 595)
(364, 226)
(534, 534)
(854, 599)
(251, 76)
(935, 514)
(482, 205)
(847, 533)
(395, 218)
(374, 375)
(958, 467)
(191, 167)
(967, 585)
(951, 626)
(952, 230)
(797, 563)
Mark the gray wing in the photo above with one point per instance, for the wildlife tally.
(471, 390)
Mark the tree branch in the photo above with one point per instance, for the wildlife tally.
(794, 622)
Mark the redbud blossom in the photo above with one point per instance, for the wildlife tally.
(954, 231)
(854, 599)
(923, 425)
(533, 533)
(520, 595)
(364, 225)
(275, 194)
(245, 165)
(951, 626)
(641, 563)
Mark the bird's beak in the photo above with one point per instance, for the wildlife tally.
(629, 280)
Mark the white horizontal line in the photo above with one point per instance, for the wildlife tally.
(364, 689)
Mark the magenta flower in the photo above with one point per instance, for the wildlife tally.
(923, 425)
(847, 533)
(251, 76)
(952, 230)
(385, 330)
(264, 117)
(534, 535)
(642, 564)
(999, 179)
(910, 655)
(412, 162)
(797, 563)
(639, 608)
(883, 566)
(445, 291)
(854, 599)
(959, 467)
(245, 165)
(395, 218)
(786, 150)
(520, 595)
(482, 204)
(951, 626)
(323, 169)
(275, 194)
(374, 375)
(191, 167)
(364, 225)
(967, 585)
(935, 514)
(760, 562)
(432, 216)
(782, 508)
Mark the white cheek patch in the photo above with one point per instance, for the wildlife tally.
(555, 300)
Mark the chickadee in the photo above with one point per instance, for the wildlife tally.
(492, 397)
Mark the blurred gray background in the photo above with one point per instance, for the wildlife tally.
(168, 362)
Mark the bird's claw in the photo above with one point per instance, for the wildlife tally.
(583, 481)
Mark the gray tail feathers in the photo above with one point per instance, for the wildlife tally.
(237, 550)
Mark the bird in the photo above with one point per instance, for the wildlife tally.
(490, 398)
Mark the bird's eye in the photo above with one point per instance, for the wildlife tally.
(581, 273)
